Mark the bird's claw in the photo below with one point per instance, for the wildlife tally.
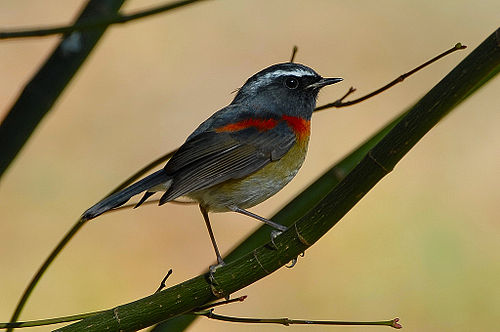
(274, 234)
(212, 269)
(213, 283)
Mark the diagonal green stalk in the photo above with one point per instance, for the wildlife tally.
(260, 262)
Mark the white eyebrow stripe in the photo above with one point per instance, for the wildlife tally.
(295, 72)
(267, 78)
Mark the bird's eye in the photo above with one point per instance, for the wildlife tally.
(291, 82)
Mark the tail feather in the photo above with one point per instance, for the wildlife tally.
(147, 194)
(121, 197)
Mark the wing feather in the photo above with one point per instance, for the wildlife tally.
(213, 157)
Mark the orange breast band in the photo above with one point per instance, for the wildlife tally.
(300, 127)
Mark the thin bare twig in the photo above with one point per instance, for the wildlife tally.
(117, 19)
(286, 321)
(340, 103)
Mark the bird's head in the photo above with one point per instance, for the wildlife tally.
(285, 88)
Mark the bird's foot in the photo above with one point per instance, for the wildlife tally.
(214, 285)
(274, 234)
(212, 269)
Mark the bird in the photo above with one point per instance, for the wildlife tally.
(241, 155)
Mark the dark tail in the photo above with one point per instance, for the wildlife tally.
(121, 197)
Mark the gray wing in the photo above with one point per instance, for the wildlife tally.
(210, 158)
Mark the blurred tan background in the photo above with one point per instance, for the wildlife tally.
(423, 245)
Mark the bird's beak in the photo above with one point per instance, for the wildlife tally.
(324, 82)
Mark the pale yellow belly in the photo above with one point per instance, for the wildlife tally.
(255, 188)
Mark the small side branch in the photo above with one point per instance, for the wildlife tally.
(294, 53)
(163, 282)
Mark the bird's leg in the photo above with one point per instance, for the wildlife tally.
(273, 224)
(278, 228)
(212, 237)
(276, 232)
